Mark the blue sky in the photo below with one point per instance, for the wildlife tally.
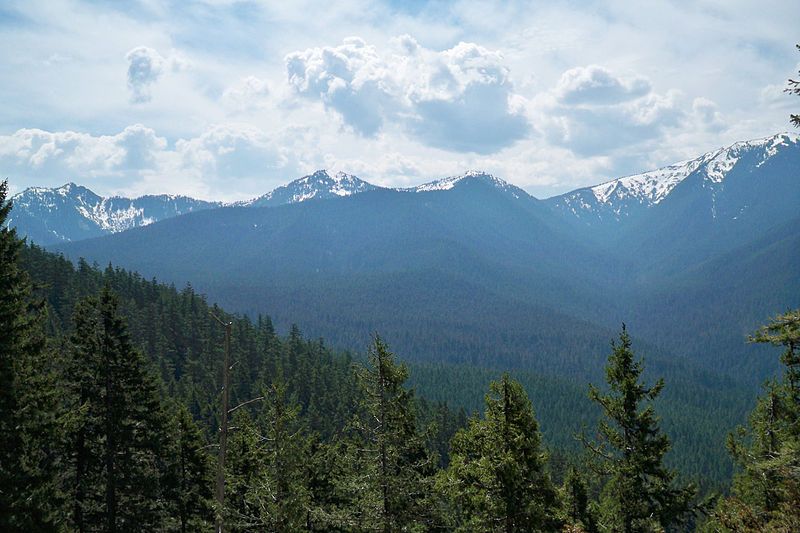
(226, 99)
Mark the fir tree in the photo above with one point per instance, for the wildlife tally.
(497, 480)
(577, 506)
(118, 436)
(794, 88)
(766, 491)
(187, 479)
(391, 467)
(282, 492)
(28, 406)
(640, 494)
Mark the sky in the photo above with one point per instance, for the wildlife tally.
(226, 100)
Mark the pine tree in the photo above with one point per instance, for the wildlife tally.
(117, 438)
(29, 427)
(497, 478)
(640, 494)
(187, 479)
(577, 506)
(766, 491)
(794, 88)
(283, 491)
(392, 469)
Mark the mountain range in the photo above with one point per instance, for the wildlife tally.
(474, 270)
(72, 212)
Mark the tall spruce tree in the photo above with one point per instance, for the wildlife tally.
(497, 478)
(392, 469)
(28, 406)
(578, 509)
(766, 491)
(794, 88)
(118, 436)
(270, 479)
(187, 479)
(640, 494)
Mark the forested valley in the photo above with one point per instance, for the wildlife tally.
(111, 389)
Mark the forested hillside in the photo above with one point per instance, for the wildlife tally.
(314, 403)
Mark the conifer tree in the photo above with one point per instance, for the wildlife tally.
(640, 494)
(794, 88)
(391, 467)
(282, 492)
(28, 405)
(187, 479)
(497, 478)
(268, 474)
(766, 491)
(577, 506)
(118, 438)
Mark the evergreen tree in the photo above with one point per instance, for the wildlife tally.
(794, 88)
(640, 494)
(28, 407)
(117, 439)
(268, 475)
(497, 480)
(188, 477)
(766, 491)
(283, 491)
(577, 506)
(391, 466)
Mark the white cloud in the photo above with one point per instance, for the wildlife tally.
(593, 112)
(227, 161)
(145, 66)
(460, 99)
(35, 152)
(597, 85)
(247, 94)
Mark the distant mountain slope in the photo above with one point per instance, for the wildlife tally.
(380, 254)
(446, 184)
(317, 186)
(71, 213)
(621, 199)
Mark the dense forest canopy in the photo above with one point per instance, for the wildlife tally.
(111, 412)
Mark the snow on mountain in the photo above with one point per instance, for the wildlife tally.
(448, 183)
(616, 198)
(319, 185)
(72, 212)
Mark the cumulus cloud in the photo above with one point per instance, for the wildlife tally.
(145, 67)
(597, 85)
(707, 115)
(592, 112)
(246, 95)
(460, 99)
(223, 162)
(36, 152)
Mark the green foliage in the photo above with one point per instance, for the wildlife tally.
(640, 494)
(766, 492)
(29, 426)
(794, 88)
(497, 480)
(579, 511)
(392, 469)
(118, 439)
(268, 475)
(329, 449)
(187, 478)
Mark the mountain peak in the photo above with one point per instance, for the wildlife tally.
(73, 212)
(450, 182)
(318, 185)
(652, 187)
